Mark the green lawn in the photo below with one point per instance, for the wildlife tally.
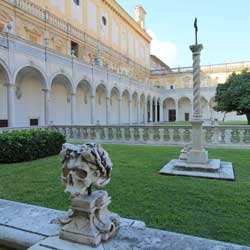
(180, 123)
(189, 123)
(202, 207)
(234, 123)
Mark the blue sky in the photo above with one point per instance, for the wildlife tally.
(224, 29)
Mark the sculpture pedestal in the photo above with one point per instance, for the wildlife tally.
(214, 169)
(91, 221)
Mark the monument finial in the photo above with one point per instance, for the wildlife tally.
(196, 30)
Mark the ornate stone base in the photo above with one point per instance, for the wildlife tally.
(215, 169)
(91, 222)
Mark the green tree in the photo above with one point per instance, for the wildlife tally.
(234, 95)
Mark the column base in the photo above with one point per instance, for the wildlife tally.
(196, 163)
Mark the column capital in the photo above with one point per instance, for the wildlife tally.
(196, 49)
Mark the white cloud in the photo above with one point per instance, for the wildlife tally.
(165, 50)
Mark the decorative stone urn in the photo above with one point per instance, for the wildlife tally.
(89, 222)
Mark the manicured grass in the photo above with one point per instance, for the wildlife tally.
(176, 123)
(234, 123)
(220, 123)
(207, 208)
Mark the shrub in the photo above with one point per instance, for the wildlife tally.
(29, 145)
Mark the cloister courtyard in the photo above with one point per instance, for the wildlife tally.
(201, 207)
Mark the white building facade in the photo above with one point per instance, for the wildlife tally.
(39, 87)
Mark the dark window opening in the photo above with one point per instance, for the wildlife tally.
(3, 123)
(74, 49)
(104, 20)
(158, 111)
(171, 86)
(33, 122)
(186, 117)
(77, 2)
(153, 118)
(172, 115)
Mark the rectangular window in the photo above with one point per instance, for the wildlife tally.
(34, 122)
(3, 123)
(77, 2)
(74, 49)
(172, 115)
(187, 117)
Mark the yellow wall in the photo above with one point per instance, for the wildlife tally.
(86, 19)
(113, 12)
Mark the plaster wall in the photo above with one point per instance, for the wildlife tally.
(83, 108)
(29, 102)
(3, 99)
(60, 104)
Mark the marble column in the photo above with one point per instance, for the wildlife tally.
(46, 107)
(130, 112)
(73, 108)
(92, 109)
(11, 105)
(145, 117)
(151, 111)
(138, 111)
(161, 111)
(176, 111)
(198, 154)
(107, 110)
(119, 110)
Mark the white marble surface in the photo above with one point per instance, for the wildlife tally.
(36, 226)
(176, 167)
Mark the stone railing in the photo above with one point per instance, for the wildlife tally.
(222, 67)
(213, 136)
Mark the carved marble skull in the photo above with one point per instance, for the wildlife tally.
(84, 166)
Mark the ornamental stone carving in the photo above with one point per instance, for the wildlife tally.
(84, 167)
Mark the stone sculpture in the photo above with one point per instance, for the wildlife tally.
(84, 167)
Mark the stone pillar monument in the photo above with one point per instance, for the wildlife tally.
(197, 154)
(194, 161)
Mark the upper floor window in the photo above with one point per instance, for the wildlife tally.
(77, 2)
(104, 20)
(74, 49)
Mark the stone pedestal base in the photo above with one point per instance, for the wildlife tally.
(197, 156)
(215, 169)
(91, 221)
